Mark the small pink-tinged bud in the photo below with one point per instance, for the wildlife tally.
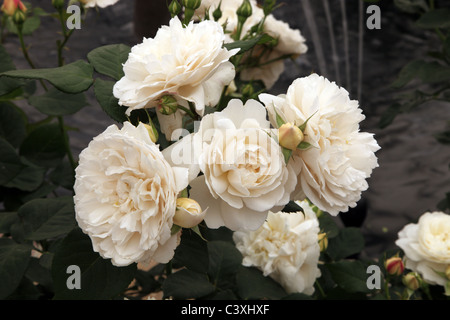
(290, 136)
(167, 105)
(9, 7)
(394, 266)
(188, 213)
(411, 281)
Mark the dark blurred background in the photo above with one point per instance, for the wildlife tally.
(413, 173)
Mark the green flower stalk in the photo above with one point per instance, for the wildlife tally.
(217, 14)
(190, 7)
(243, 13)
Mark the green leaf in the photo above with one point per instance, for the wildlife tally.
(100, 280)
(349, 241)
(304, 145)
(30, 25)
(219, 234)
(29, 178)
(408, 72)
(252, 284)
(246, 45)
(75, 77)
(10, 164)
(108, 59)
(39, 274)
(286, 153)
(103, 90)
(63, 175)
(439, 18)
(14, 259)
(191, 245)
(328, 225)
(44, 146)
(303, 125)
(411, 6)
(6, 64)
(187, 284)
(7, 219)
(278, 119)
(349, 275)
(428, 72)
(224, 261)
(292, 207)
(12, 124)
(389, 115)
(47, 218)
(57, 103)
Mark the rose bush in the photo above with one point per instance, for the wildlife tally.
(206, 185)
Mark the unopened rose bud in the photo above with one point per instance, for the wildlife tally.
(19, 17)
(188, 213)
(174, 8)
(58, 4)
(167, 105)
(152, 132)
(217, 14)
(411, 281)
(10, 7)
(268, 6)
(247, 90)
(192, 4)
(394, 266)
(245, 10)
(323, 241)
(290, 136)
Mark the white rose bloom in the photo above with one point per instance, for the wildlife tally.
(125, 196)
(98, 3)
(267, 73)
(187, 62)
(290, 42)
(285, 248)
(333, 172)
(427, 246)
(244, 172)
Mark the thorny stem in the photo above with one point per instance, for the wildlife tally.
(30, 62)
(322, 293)
(66, 38)
(25, 53)
(60, 47)
(386, 288)
(189, 112)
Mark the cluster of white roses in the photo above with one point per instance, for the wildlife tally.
(426, 245)
(241, 166)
